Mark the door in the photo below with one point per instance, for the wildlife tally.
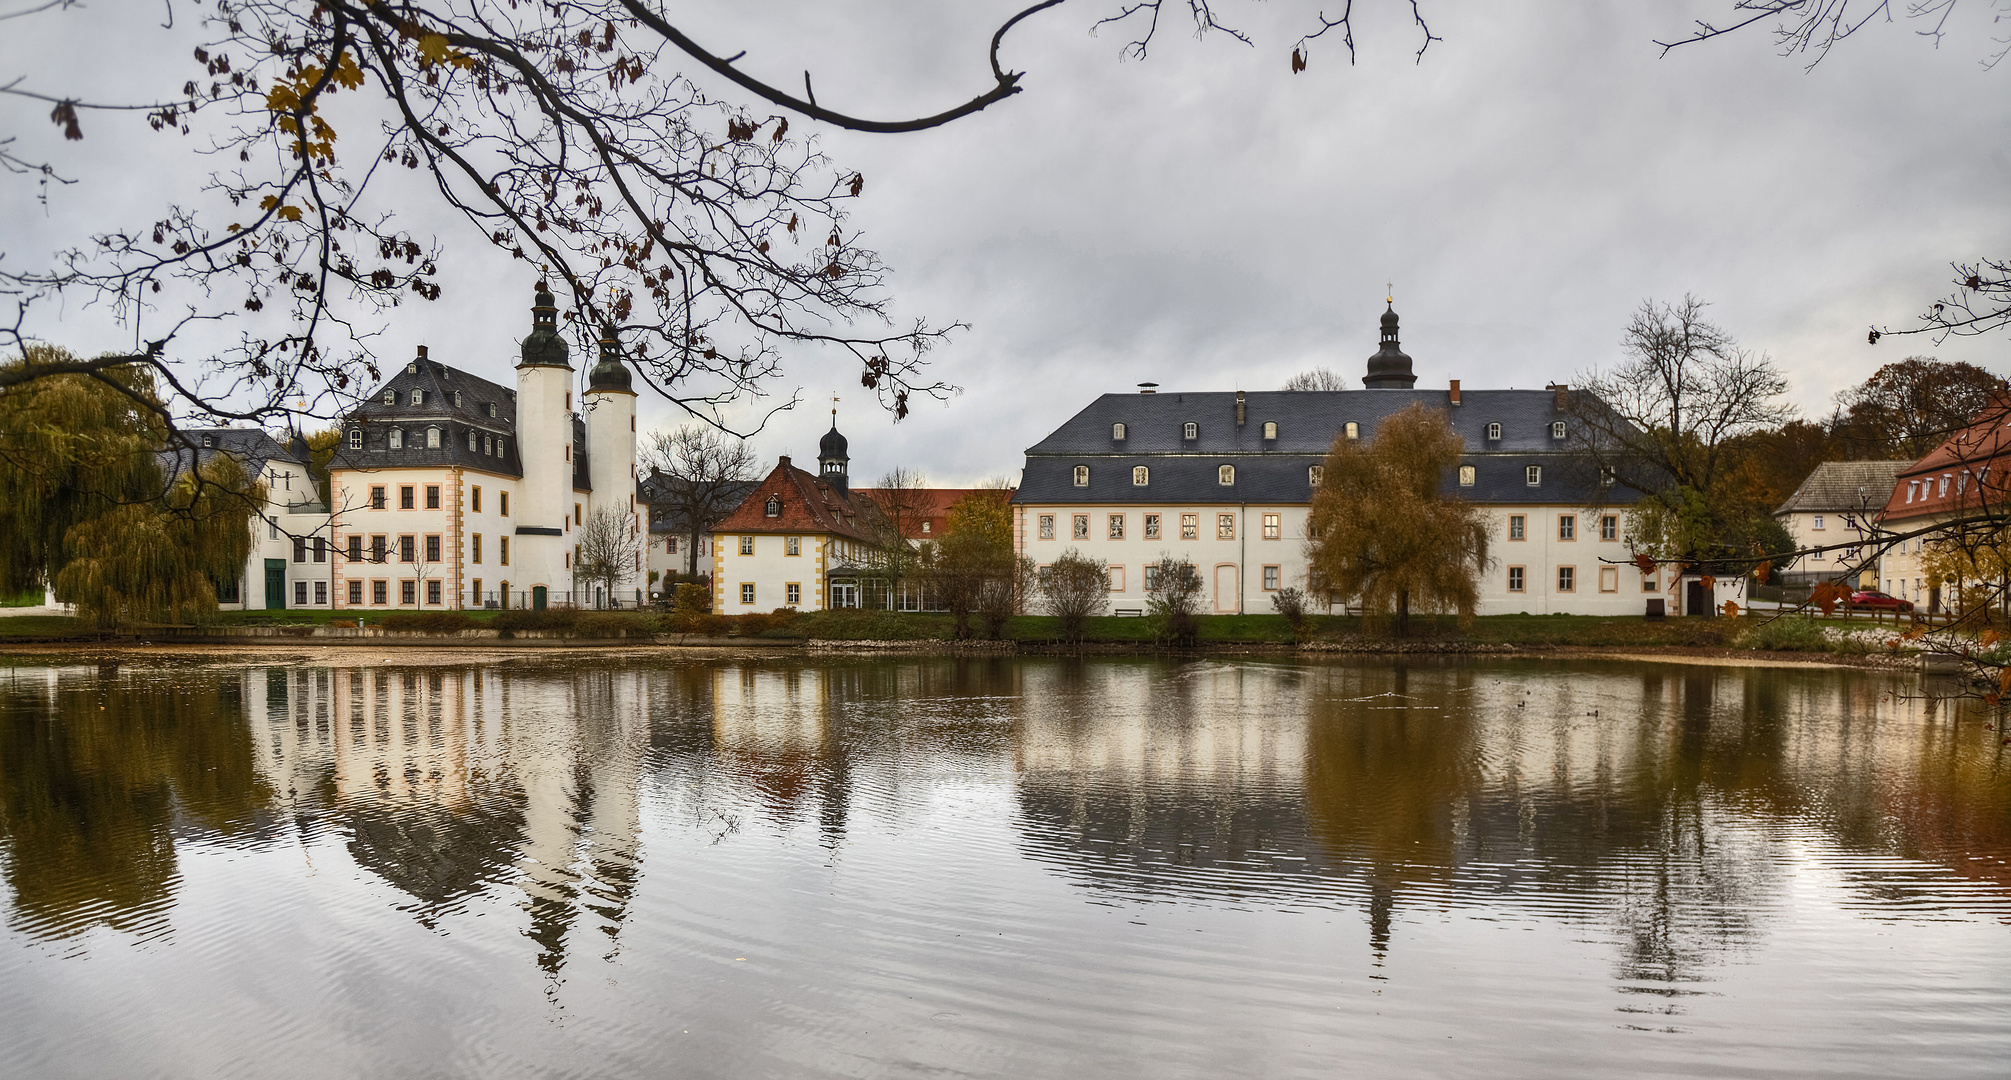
(1226, 593)
(275, 584)
(1695, 602)
(537, 598)
(844, 594)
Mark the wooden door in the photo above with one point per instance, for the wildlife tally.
(275, 584)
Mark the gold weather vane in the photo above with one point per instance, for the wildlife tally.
(1390, 297)
(834, 410)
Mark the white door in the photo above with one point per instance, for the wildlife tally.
(1225, 588)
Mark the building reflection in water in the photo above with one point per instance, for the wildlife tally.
(1665, 803)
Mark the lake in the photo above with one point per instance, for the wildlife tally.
(1034, 867)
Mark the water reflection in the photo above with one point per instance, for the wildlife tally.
(1675, 814)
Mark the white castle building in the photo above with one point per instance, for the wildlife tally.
(450, 491)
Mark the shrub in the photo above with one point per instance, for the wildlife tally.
(686, 621)
(1787, 634)
(1172, 599)
(1074, 588)
(529, 619)
(612, 624)
(432, 622)
(1291, 603)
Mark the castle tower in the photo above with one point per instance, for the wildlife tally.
(544, 443)
(610, 408)
(1389, 368)
(832, 462)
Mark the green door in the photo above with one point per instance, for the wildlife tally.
(275, 584)
(537, 598)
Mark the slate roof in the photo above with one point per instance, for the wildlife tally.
(650, 490)
(1844, 486)
(253, 448)
(1980, 454)
(806, 504)
(454, 401)
(1277, 470)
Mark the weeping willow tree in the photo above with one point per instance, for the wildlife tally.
(84, 504)
(1382, 530)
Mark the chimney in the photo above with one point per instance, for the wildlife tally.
(1562, 400)
(784, 462)
(1239, 408)
(1148, 388)
(422, 352)
(1455, 391)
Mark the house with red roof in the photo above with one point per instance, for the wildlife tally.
(1968, 475)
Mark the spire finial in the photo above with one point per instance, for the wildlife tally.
(834, 412)
(1390, 296)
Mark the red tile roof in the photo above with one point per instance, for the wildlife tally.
(1976, 462)
(928, 509)
(804, 504)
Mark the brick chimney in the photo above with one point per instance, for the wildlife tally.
(1454, 393)
(1562, 400)
(1239, 408)
(422, 352)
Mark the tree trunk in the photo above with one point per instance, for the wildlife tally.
(1403, 613)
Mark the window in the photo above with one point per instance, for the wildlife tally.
(433, 548)
(1912, 490)
(1518, 527)
(1047, 526)
(1567, 526)
(1515, 579)
(474, 442)
(747, 545)
(405, 497)
(500, 443)
(792, 545)
(488, 408)
(1270, 429)
(746, 592)
(390, 397)
(1079, 527)
(1352, 430)
(1117, 526)
(1082, 476)
(300, 593)
(1609, 527)
(488, 446)
(926, 525)
(503, 503)
(432, 496)
(1270, 579)
(356, 438)
(1533, 475)
(300, 549)
(773, 508)
(377, 593)
(408, 549)
(670, 545)
(1943, 487)
(378, 548)
(1140, 476)
(1466, 476)
(1117, 432)
(792, 593)
(475, 499)
(377, 498)
(475, 548)
(577, 518)
(1567, 579)
(1609, 579)
(457, 399)
(1313, 475)
(1816, 523)
(433, 592)
(1225, 475)
(1152, 526)
(503, 550)
(408, 592)
(1557, 429)
(1190, 526)
(1272, 528)
(355, 592)
(418, 397)
(397, 439)
(356, 549)
(432, 438)
(1225, 526)
(1151, 578)
(1607, 476)
(321, 549)
(1116, 579)
(1494, 433)
(1648, 584)
(1190, 430)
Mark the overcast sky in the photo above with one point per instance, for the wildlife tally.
(1207, 220)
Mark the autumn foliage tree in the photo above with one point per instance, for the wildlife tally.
(1384, 529)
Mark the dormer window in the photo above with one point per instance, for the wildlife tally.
(1557, 429)
(774, 507)
(418, 397)
(1140, 476)
(397, 439)
(1352, 430)
(356, 438)
(1466, 476)
(1533, 475)
(1082, 476)
(473, 442)
(1117, 432)
(390, 397)
(432, 438)
(1314, 474)
(1494, 433)
(1190, 430)
(1226, 475)
(209, 442)
(457, 399)
(1270, 429)
(489, 408)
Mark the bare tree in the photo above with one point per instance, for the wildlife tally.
(1319, 378)
(898, 507)
(1173, 598)
(700, 474)
(610, 549)
(1075, 587)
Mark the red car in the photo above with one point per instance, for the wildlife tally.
(1878, 601)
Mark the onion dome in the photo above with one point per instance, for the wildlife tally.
(544, 346)
(609, 374)
(832, 446)
(1389, 368)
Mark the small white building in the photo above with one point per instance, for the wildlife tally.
(290, 561)
(1837, 504)
(799, 540)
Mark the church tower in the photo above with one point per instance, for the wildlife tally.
(833, 465)
(544, 443)
(610, 407)
(1389, 368)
